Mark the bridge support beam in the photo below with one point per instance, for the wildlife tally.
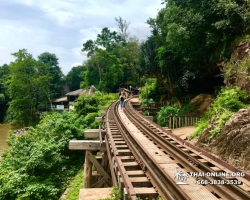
(93, 133)
(106, 178)
(87, 171)
(90, 160)
(99, 119)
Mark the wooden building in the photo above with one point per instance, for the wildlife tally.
(66, 103)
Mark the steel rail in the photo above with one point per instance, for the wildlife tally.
(112, 171)
(127, 183)
(164, 186)
(225, 191)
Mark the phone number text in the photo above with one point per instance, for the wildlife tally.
(218, 182)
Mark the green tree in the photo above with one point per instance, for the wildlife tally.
(104, 61)
(106, 40)
(128, 57)
(112, 58)
(4, 98)
(188, 41)
(28, 86)
(74, 77)
(203, 33)
(55, 71)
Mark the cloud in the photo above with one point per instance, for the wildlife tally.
(76, 64)
(63, 17)
(61, 27)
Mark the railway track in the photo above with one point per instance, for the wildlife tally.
(148, 161)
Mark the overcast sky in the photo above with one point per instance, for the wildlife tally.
(62, 26)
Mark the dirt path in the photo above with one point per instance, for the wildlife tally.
(184, 132)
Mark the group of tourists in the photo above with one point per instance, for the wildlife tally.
(123, 94)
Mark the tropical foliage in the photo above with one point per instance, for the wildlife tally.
(4, 98)
(188, 41)
(227, 102)
(112, 59)
(32, 167)
(165, 113)
(28, 86)
(74, 78)
(38, 164)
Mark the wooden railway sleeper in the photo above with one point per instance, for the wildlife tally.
(155, 176)
(142, 165)
(192, 161)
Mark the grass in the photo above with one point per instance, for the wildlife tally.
(75, 186)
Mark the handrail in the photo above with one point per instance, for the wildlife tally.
(181, 121)
(100, 135)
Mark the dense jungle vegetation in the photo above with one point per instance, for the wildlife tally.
(187, 53)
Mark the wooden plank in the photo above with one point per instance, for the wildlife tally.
(149, 117)
(216, 169)
(99, 184)
(135, 173)
(104, 108)
(87, 172)
(130, 164)
(100, 135)
(86, 145)
(138, 179)
(94, 194)
(93, 133)
(99, 119)
(98, 166)
(145, 191)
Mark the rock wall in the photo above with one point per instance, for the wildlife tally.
(234, 142)
(202, 103)
(237, 70)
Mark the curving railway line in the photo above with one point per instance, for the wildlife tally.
(147, 161)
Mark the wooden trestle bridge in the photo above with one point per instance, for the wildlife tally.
(146, 161)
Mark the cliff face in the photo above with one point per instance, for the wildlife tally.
(232, 145)
(236, 135)
(237, 70)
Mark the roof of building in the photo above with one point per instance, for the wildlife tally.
(123, 89)
(60, 99)
(78, 92)
(75, 93)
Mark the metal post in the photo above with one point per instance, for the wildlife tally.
(173, 121)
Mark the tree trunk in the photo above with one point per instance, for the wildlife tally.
(99, 69)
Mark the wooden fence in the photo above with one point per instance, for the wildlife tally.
(181, 121)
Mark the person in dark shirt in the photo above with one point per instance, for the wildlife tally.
(122, 100)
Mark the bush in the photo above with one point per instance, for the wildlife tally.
(90, 104)
(32, 167)
(150, 88)
(228, 101)
(201, 125)
(2, 99)
(75, 186)
(165, 113)
(38, 165)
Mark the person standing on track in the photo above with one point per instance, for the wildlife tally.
(122, 100)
